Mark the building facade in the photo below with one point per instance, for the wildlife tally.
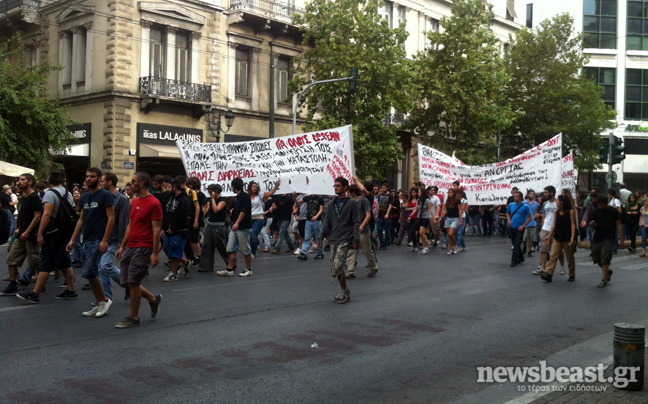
(615, 38)
(139, 75)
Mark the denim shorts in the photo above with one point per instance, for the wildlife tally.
(174, 246)
(239, 240)
(90, 257)
(451, 222)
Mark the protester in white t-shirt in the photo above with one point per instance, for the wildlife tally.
(549, 208)
(617, 204)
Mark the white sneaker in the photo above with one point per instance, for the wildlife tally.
(424, 251)
(450, 252)
(297, 251)
(410, 244)
(169, 277)
(92, 312)
(416, 249)
(537, 271)
(512, 247)
(225, 273)
(460, 249)
(562, 271)
(103, 308)
(245, 273)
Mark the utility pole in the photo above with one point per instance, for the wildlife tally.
(271, 126)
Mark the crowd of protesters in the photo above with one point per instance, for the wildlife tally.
(95, 225)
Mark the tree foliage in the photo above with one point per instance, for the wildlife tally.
(341, 35)
(31, 123)
(546, 85)
(461, 76)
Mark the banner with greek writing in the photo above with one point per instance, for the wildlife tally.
(491, 184)
(305, 163)
(569, 175)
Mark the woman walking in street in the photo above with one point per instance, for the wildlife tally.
(453, 219)
(564, 233)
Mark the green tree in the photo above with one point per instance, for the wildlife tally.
(462, 78)
(546, 85)
(342, 35)
(31, 123)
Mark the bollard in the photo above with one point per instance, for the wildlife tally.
(629, 347)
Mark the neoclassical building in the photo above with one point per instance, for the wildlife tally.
(138, 75)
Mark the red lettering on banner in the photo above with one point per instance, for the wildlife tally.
(203, 175)
(552, 142)
(231, 174)
(298, 141)
(280, 144)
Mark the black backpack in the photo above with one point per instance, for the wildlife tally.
(63, 224)
(5, 226)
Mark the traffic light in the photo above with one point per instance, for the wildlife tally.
(353, 81)
(618, 150)
(603, 153)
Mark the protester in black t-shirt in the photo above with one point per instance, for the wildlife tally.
(314, 214)
(215, 237)
(283, 208)
(606, 222)
(25, 245)
(241, 234)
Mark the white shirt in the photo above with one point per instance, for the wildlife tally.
(436, 202)
(550, 209)
(257, 206)
(615, 203)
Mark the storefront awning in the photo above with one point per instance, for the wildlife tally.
(13, 170)
(155, 150)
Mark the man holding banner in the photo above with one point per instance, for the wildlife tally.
(519, 216)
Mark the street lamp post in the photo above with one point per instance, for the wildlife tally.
(229, 120)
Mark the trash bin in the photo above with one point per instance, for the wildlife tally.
(629, 347)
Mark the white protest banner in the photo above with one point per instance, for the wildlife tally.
(491, 184)
(305, 163)
(569, 175)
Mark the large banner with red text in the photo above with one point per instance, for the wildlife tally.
(491, 184)
(305, 163)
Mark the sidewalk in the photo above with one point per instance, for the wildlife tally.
(606, 394)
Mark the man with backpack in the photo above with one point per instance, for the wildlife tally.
(54, 231)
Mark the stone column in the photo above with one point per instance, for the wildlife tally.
(65, 75)
(171, 52)
(88, 56)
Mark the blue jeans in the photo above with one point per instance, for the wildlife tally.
(283, 234)
(77, 251)
(108, 272)
(644, 234)
(257, 225)
(461, 232)
(383, 228)
(312, 229)
(12, 223)
(91, 256)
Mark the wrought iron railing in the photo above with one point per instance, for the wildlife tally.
(174, 89)
(6, 5)
(266, 7)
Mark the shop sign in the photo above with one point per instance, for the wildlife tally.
(163, 134)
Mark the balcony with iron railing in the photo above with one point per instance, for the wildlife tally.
(8, 7)
(158, 87)
(267, 9)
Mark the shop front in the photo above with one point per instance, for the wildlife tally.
(76, 159)
(157, 152)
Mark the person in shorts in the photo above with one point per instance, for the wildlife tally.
(140, 248)
(96, 220)
(25, 245)
(52, 253)
(606, 222)
(239, 238)
(175, 225)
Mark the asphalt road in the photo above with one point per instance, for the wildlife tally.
(414, 334)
